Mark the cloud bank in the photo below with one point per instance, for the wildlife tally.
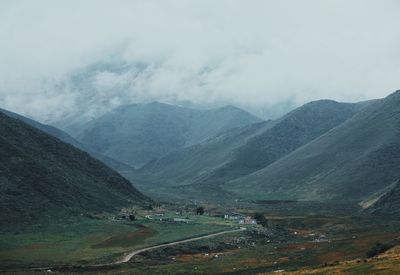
(61, 58)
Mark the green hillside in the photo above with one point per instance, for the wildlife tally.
(63, 136)
(193, 163)
(350, 162)
(388, 203)
(242, 151)
(41, 176)
(287, 134)
(136, 134)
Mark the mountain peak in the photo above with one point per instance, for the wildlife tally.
(138, 133)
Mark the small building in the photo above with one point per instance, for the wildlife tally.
(233, 216)
(181, 220)
(247, 220)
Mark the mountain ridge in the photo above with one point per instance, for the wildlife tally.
(244, 150)
(63, 136)
(138, 133)
(349, 162)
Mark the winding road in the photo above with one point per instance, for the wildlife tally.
(129, 256)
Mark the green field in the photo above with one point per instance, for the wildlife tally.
(89, 241)
(77, 244)
(349, 238)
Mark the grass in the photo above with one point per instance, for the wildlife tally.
(386, 264)
(87, 241)
(349, 239)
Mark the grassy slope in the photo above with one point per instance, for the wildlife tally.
(244, 150)
(287, 134)
(195, 162)
(350, 162)
(386, 264)
(387, 203)
(136, 134)
(63, 136)
(42, 176)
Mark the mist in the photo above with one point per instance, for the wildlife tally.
(83, 58)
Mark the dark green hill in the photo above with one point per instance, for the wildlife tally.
(41, 176)
(136, 134)
(244, 150)
(63, 136)
(350, 162)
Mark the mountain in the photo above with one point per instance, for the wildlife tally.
(348, 163)
(387, 202)
(286, 134)
(135, 134)
(63, 136)
(190, 164)
(244, 150)
(41, 176)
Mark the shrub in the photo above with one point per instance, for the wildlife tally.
(377, 249)
(259, 217)
(200, 210)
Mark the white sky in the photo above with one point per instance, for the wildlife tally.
(248, 53)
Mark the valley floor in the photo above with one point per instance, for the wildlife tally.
(290, 243)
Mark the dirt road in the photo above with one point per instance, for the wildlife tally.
(129, 256)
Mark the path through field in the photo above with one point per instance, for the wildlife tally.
(129, 256)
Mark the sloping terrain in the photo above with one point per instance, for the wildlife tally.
(350, 162)
(287, 134)
(193, 163)
(42, 176)
(387, 263)
(63, 136)
(244, 150)
(136, 134)
(388, 203)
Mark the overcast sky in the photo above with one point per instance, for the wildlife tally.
(247, 53)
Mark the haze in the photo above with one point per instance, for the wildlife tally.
(69, 58)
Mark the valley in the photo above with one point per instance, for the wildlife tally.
(199, 137)
(305, 238)
(316, 189)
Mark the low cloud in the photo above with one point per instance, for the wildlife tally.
(86, 57)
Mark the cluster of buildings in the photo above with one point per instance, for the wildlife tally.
(242, 219)
(161, 217)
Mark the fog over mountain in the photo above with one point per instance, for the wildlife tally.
(71, 59)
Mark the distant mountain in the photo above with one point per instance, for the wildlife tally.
(351, 162)
(244, 150)
(41, 176)
(63, 136)
(136, 134)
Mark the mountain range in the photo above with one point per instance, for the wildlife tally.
(321, 151)
(350, 162)
(242, 151)
(136, 134)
